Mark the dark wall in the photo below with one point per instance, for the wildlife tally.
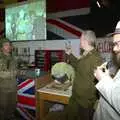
(103, 20)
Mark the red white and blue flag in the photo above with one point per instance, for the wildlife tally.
(67, 19)
(26, 98)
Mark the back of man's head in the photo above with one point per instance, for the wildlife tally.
(90, 36)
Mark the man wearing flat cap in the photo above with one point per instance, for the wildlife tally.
(109, 88)
(8, 85)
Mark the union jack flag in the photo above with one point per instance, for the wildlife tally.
(26, 98)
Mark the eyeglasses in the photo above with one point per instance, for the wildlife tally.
(117, 43)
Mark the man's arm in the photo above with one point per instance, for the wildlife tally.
(72, 60)
(110, 89)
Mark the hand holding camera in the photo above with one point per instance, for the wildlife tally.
(68, 47)
(101, 71)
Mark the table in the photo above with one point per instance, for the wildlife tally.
(51, 95)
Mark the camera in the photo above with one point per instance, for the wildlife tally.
(104, 66)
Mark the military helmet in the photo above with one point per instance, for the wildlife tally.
(3, 40)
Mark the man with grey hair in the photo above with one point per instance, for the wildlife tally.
(83, 92)
(90, 36)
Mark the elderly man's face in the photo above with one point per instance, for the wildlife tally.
(116, 47)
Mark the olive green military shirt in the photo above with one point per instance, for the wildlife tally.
(84, 91)
(8, 72)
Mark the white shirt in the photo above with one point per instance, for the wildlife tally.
(110, 89)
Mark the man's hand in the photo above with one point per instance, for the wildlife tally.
(101, 71)
(68, 48)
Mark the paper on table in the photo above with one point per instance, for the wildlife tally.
(48, 89)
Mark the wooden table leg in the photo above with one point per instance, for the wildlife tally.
(37, 106)
(42, 109)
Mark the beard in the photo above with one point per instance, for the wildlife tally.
(116, 59)
(81, 51)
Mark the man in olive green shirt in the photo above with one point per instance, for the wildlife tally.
(84, 93)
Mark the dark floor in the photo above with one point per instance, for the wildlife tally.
(18, 116)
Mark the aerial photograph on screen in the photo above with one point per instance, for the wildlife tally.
(26, 21)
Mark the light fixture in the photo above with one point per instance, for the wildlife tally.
(98, 4)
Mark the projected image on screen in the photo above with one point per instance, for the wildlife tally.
(26, 21)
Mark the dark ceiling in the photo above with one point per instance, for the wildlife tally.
(104, 18)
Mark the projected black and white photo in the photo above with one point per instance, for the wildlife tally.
(26, 21)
